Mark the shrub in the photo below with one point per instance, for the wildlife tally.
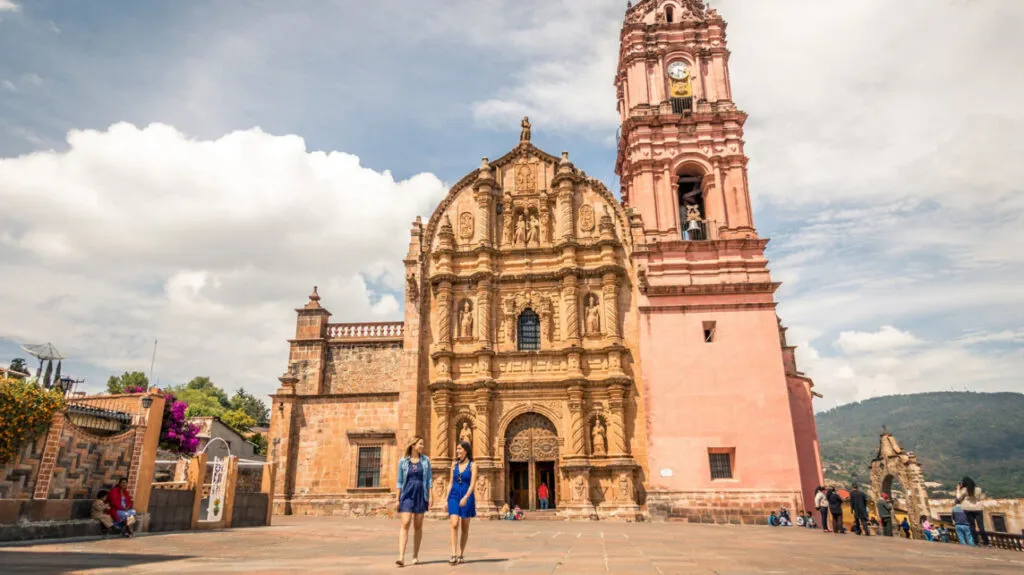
(176, 433)
(26, 411)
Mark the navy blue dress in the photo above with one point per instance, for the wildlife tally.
(460, 485)
(414, 492)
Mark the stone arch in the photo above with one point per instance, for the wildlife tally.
(893, 462)
(528, 407)
(531, 436)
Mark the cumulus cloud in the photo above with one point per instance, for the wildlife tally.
(141, 233)
(9, 6)
(886, 338)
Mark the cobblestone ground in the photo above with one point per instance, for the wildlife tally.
(325, 545)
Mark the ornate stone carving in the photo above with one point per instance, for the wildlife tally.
(597, 438)
(466, 433)
(533, 231)
(524, 135)
(579, 488)
(624, 487)
(593, 314)
(466, 226)
(509, 218)
(641, 277)
(466, 320)
(441, 406)
(531, 437)
(520, 231)
(572, 322)
(577, 423)
(412, 288)
(483, 487)
(444, 314)
(526, 177)
(587, 220)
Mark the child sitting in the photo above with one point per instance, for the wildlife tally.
(101, 510)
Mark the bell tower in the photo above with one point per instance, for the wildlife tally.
(730, 418)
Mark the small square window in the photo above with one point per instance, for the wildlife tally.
(999, 523)
(369, 467)
(709, 331)
(721, 464)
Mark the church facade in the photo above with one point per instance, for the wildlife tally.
(625, 354)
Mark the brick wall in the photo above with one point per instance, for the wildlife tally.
(17, 478)
(87, 463)
(363, 368)
(724, 507)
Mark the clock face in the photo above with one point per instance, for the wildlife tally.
(678, 70)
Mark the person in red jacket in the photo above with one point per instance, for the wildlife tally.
(121, 507)
(542, 495)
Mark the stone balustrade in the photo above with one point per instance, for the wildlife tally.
(379, 331)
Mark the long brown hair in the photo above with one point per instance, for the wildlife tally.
(408, 448)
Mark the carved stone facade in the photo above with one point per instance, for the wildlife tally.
(565, 335)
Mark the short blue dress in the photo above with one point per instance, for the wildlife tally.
(460, 485)
(414, 492)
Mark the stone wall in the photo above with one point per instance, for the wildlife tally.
(250, 510)
(17, 478)
(746, 507)
(363, 368)
(171, 509)
(87, 463)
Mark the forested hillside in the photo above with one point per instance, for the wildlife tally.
(953, 434)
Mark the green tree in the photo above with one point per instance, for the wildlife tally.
(260, 441)
(203, 397)
(18, 364)
(118, 384)
(251, 405)
(238, 420)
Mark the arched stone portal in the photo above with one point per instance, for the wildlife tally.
(531, 457)
(893, 462)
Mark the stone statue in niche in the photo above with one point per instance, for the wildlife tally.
(520, 238)
(533, 232)
(466, 320)
(466, 434)
(507, 233)
(593, 315)
(597, 436)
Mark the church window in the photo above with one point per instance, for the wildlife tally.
(709, 331)
(998, 523)
(529, 330)
(693, 222)
(668, 14)
(721, 463)
(369, 467)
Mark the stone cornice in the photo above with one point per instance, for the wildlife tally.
(712, 289)
(706, 307)
(499, 279)
(346, 397)
(690, 246)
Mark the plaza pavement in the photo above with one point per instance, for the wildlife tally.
(329, 545)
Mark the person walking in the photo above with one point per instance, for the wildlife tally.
(821, 504)
(542, 494)
(835, 507)
(859, 506)
(905, 526)
(414, 483)
(461, 500)
(967, 496)
(884, 508)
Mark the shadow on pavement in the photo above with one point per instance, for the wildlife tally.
(64, 562)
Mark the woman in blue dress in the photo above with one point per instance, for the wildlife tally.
(461, 501)
(414, 484)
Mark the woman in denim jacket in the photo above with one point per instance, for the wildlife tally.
(414, 484)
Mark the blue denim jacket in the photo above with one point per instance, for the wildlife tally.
(403, 471)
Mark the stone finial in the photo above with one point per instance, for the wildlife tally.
(485, 168)
(314, 300)
(524, 136)
(564, 165)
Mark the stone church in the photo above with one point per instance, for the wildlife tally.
(626, 354)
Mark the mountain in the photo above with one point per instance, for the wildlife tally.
(953, 434)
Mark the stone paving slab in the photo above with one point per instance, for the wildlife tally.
(329, 545)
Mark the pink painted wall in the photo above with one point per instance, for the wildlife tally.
(731, 393)
(806, 433)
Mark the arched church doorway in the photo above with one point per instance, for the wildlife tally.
(531, 458)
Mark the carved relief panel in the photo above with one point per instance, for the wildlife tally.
(531, 437)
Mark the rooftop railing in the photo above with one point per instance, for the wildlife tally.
(391, 330)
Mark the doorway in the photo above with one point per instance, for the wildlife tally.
(519, 481)
(546, 474)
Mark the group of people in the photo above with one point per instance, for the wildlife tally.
(966, 514)
(414, 485)
(782, 519)
(114, 509)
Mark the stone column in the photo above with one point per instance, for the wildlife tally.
(482, 428)
(611, 306)
(572, 321)
(442, 405)
(577, 437)
(566, 223)
(444, 315)
(617, 446)
(483, 316)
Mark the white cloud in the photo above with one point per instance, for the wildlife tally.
(9, 6)
(209, 245)
(886, 338)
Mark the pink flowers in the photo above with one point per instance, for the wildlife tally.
(176, 433)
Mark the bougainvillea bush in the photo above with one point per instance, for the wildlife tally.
(176, 433)
(26, 411)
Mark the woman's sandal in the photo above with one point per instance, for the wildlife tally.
(461, 560)
(400, 563)
(415, 561)
(453, 560)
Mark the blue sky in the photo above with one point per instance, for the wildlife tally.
(187, 171)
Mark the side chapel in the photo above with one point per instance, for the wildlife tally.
(626, 354)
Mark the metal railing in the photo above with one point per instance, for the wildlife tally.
(366, 331)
